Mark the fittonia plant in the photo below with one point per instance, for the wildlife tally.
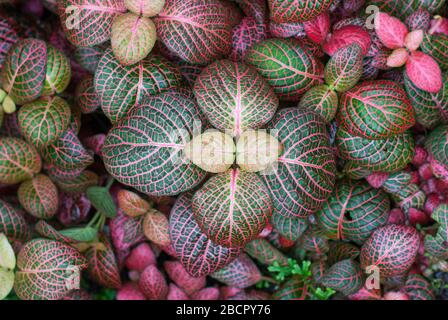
(217, 149)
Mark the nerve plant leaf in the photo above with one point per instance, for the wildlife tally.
(392, 249)
(19, 160)
(388, 155)
(344, 276)
(305, 177)
(88, 22)
(39, 197)
(376, 110)
(9, 36)
(122, 87)
(12, 222)
(144, 7)
(287, 65)
(418, 288)
(102, 200)
(263, 251)
(437, 245)
(44, 120)
(153, 284)
(344, 69)
(429, 107)
(436, 46)
(47, 270)
(155, 227)
(133, 38)
(67, 152)
(7, 265)
(23, 73)
(58, 72)
(132, 204)
(353, 211)
(283, 11)
(86, 98)
(240, 273)
(197, 31)
(390, 30)
(199, 255)
(102, 265)
(140, 150)
(424, 72)
(321, 99)
(240, 215)
(234, 97)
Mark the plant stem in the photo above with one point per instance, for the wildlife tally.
(268, 279)
(110, 182)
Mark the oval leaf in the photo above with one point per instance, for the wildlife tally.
(240, 273)
(424, 72)
(376, 110)
(102, 201)
(155, 227)
(102, 265)
(152, 283)
(344, 276)
(86, 98)
(344, 69)
(287, 65)
(437, 245)
(392, 249)
(12, 222)
(23, 72)
(234, 97)
(388, 155)
(88, 22)
(67, 152)
(199, 255)
(133, 38)
(322, 100)
(39, 197)
(240, 215)
(137, 153)
(19, 161)
(58, 72)
(353, 211)
(296, 10)
(197, 31)
(305, 175)
(46, 269)
(122, 87)
(390, 30)
(132, 204)
(263, 251)
(43, 121)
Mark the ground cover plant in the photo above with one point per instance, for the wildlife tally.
(223, 150)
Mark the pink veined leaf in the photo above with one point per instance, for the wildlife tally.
(286, 30)
(296, 10)
(12, 222)
(44, 269)
(424, 72)
(392, 249)
(23, 73)
(413, 40)
(240, 273)
(140, 257)
(126, 231)
(88, 22)
(234, 13)
(197, 31)
(318, 28)
(398, 58)
(240, 216)
(235, 97)
(182, 278)
(8, 36)
(102, 265)
(245, 35)
(210, 293)
(256, 9)
(346, 36)
(345, 276)
(390, 30)
(130, 291)
(176, 293)
(155, 227)
(132, 204)
(199, 255)
(153, 284)
(86, 98)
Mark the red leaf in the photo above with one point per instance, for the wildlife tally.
(130, 291)
(390, 30)
(344, 37)
(141, 257)
(318, 28)
(182, 278)
(424, 72)
(153, 284)
(176, 293)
